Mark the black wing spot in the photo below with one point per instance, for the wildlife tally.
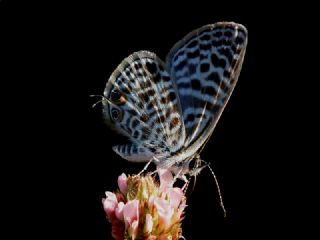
(162, 118)
(211, 91)
(172, 96)
(134, 123)
(144, 117)
(214, 59)
(152, 149)
(157, 78)
(151, 67)
(136, 134)
(115, 95)
(136, 66)
(214, 77)
(190, 117)
(166, 78)
(151, 92)
(218, 62)
(144, 97)
(204, 67)
(164, 100)
(195, 84)
(226, 52)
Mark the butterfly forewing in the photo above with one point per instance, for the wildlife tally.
(205, 66)
(142, 104)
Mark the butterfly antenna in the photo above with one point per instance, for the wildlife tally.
(219, 192)
(95, 104)
(103, 99)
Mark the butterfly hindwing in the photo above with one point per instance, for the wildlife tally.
(142, 104)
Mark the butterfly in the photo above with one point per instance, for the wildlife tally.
(168, 110)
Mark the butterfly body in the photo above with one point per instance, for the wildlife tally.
(168, 110)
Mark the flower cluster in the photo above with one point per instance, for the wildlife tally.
(143, 209)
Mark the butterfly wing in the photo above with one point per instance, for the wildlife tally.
(205, 66)
(141, 103)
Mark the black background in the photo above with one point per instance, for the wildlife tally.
(57, 54)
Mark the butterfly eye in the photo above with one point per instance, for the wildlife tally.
(115, 95)
(116, 114)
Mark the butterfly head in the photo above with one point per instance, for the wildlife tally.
(198, 166)
(190, 167)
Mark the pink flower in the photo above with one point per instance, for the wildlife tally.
(166, 179)
(133, 229)
(119, 211)
(149, 223)
(175, 195)
(144, 210)
(131, 212)
(165, 212)
(109, 204)
(122, 183)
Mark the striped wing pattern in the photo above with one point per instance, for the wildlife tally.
(205, 66)
(143, 105)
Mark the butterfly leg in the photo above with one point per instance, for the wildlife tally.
(147, 165)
